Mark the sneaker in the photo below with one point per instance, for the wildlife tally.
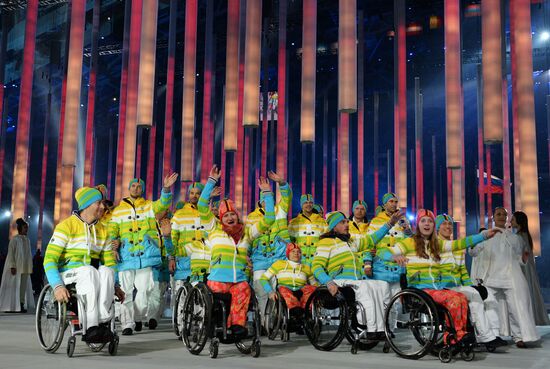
(153, 324)
(93, 335)
(497, 342)
(521, 344)
(139, 326)
(127, 332)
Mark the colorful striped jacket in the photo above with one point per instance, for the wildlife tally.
(271, 245)
(134, 223)
(357, 229)
(427, 273)
(74, 244)
(228, 261)
(305, 232)
(381, 269)
(338, 259)
(453, 269)
(289, 274)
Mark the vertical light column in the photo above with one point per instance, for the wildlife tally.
(434, 176)
(326, 135)
(360, 111)
(3, 127)
(147, 58)
(343, 163)
(376, 157)
(169, 106)
(189, 77)
(151, 162)
(507, 191)
(72, 105)
(282, 142)
(480, 150)
(453, 88)
(232, 77)
(122, 108)
(488, 189)
(130, 126)
(20, 170)
(44, 173)
(253, 46)
(419, 168)
(520, 10)
(89, 156)
(492, 70)
(207, 148)
(347, 56)
(458, 200)
(400, 102)
(309, 50)
(57, 200)
(515, 124)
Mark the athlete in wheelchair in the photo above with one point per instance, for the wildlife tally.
(284, 311)
(79, 264)
(350, 306)
(218, 309)
(436, 318)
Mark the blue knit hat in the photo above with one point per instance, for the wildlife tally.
(356, 203)
(198, 185)
(136, 180)
(86, 196)
(333, 218)
(387, 197)
(305, 198)
(442, 218)
(319, 209)
(378, 210)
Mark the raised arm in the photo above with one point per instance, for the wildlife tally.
(165, 200)
(258, 228)
(207, 218)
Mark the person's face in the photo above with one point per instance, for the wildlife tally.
(499, 217)
(446, 230)
(426, 226)
(307, 207)
(359, 212)
(136, 190)
(24, 229)
(230, 218)
(100, 210)
(342, 227)
(214, 209)
(95, 210)
(514, 223)
(295, 255)
(194, 195)
(391, 205)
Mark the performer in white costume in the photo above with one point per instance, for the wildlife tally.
(16, 289)
(497, 262)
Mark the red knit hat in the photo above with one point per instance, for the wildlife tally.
(291, 246)
(424, 213)
(227, 206)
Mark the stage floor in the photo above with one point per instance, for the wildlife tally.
(19, 348)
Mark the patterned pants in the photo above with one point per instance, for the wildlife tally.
(293, 298)
(240, 297)
(457, 305)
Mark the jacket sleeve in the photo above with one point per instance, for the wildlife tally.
(286, 197)
(399, 248)
(163, 203)
(320, 262)
(208, 220)
(265, 279)
(55, 248)
(258, 228)
(461, 244)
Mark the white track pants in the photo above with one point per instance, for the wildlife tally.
(135, 310)
(96, 289)
(374, 296)
(478, 315)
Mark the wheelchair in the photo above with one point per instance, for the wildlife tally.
(422, 328)
(278, 319)
(329, 319)
(178, 308)
(53, 318)
(205, 318)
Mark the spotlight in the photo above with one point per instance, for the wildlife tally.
(7, 213)
(411, 217)
(544, 36)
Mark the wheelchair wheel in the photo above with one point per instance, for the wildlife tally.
(214, 347)
(197, 322)
(416, 336)
(256, 349)
(326, 320)
(253, 325)
(273, 317)
(177, 313)
(50, 319)
(113, 346)
(354, 332)
(71, 344)
(468, 354)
